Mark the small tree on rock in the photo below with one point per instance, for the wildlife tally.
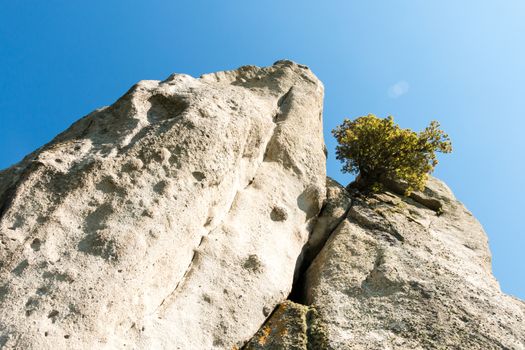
(377, 149)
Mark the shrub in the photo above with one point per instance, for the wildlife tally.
(377, 149)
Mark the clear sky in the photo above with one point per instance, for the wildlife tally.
(460, 62)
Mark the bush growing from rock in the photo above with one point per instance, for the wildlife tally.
(377, 150)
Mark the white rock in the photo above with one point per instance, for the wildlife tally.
(147, 224)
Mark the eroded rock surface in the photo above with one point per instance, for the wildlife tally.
(184, 215)
(172, 219)
(411, 273)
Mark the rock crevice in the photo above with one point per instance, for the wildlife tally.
(374, 290)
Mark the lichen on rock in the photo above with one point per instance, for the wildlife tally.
(292, 326)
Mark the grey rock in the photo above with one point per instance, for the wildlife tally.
(411, 273)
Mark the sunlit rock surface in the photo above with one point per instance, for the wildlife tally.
(172, 219)
(196, 214)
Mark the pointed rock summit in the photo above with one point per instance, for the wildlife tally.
(196, 214)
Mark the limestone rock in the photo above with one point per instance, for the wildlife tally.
(172, 219)
(183, 214)
(411, 273)
(333, 212)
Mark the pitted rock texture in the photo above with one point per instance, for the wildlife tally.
(172, 219)
(411, 273)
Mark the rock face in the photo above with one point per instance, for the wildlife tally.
(172, 219)
(187, 213)
(404, 273)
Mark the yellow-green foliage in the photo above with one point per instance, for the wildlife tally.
(377, 148)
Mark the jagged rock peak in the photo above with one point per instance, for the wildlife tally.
(172, 219)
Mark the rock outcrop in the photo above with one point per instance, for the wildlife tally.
(172, 219)
(402, 273)
(196, 214)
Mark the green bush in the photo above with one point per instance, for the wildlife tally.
(378, 149)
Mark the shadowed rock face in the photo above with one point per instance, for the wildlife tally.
(402, 273)
(172, 219)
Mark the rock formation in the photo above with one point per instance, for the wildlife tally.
(172, 219)
(187, 213)
(399, 273)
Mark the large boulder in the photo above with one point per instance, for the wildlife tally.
(172, 219)
(410, 273)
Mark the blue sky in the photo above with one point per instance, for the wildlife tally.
(460, 62)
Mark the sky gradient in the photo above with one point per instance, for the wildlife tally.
(459, 62)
